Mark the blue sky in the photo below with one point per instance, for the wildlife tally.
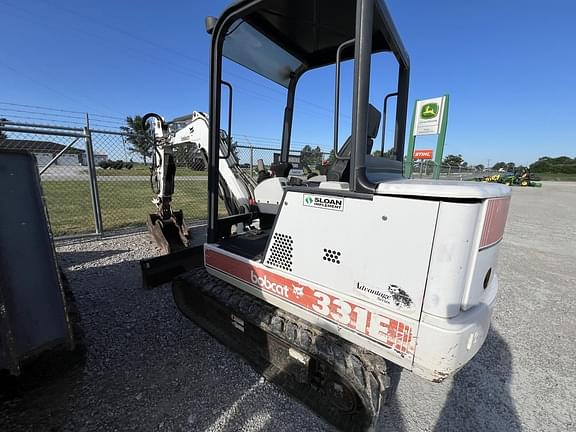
(509, 68)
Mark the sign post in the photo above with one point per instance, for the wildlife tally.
(430, 118)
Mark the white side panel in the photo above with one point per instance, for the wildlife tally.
(485, 268)
(269, 193)
(377, 250)
(387, 334)
(442, 189)
(446, 344)
(454, 243)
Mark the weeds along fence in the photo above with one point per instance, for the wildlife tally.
(94, 181)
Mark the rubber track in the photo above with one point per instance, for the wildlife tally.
(366, 373)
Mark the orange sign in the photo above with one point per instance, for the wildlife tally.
(423, 154)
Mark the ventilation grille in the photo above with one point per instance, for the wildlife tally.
(280, 255)
(332, 256)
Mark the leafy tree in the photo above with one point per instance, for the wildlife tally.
(331, 157)
(453, 160)
(136, 135)
(510, 166)
(562, 164)
(3, 135)
(479, 167)
(499, 165)
(388, 154)
(311, 157)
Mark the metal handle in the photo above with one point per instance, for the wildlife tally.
(227, 84)
(337, 94)
(384, 111)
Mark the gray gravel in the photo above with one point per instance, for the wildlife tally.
(148, 368)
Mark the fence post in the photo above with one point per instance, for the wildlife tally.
(251, 161)
(93, 181)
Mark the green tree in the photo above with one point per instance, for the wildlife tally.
(499, 165)
(311, 157)
(3, 135)
(331, 157)
(479, 167)
(388, 154)
(562, 164)
(510, 167)
(453, 160)
(136, 135)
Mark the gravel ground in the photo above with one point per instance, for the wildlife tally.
(148, 368)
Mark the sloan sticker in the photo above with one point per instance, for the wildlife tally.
(393, 295)
(324, 202)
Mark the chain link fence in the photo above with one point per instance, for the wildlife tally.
(95, 181)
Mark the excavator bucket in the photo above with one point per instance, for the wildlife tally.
(171, 235)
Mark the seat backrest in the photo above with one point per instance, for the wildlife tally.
(340, 169)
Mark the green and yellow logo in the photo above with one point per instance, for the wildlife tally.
(429, 111)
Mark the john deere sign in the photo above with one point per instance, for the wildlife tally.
(429, 111)
(428, 116)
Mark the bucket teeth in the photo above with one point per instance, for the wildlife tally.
(170, 234)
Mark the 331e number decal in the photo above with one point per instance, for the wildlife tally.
(387, 331)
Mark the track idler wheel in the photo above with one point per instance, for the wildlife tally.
(342, 382)
(171, 235)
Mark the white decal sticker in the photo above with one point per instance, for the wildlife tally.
(393, 295)
(324, 202)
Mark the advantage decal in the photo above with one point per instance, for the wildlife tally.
(386, 331)
(324, 202)
(392, 296)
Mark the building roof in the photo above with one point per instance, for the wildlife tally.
(35, 146)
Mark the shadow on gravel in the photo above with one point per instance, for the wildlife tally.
(391, 417)
(480, 398)
(74, 258)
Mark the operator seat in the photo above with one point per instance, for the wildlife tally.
(340, 169)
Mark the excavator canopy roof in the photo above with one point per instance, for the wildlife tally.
(276, 38)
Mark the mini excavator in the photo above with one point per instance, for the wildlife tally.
(329, 285)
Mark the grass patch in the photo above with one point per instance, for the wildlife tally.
(556, 176)
(141, 170)
(123, 204)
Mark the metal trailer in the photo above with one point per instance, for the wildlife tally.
(33, 308)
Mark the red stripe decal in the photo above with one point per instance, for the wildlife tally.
(494, 221)
(389, 332)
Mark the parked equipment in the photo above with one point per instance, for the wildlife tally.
(521, 177)
(34, 311)
(327, 284)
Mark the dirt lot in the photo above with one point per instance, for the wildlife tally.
(147, 368)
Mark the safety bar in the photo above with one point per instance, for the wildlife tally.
(384, 111)
(337, 94)
(227, 84)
